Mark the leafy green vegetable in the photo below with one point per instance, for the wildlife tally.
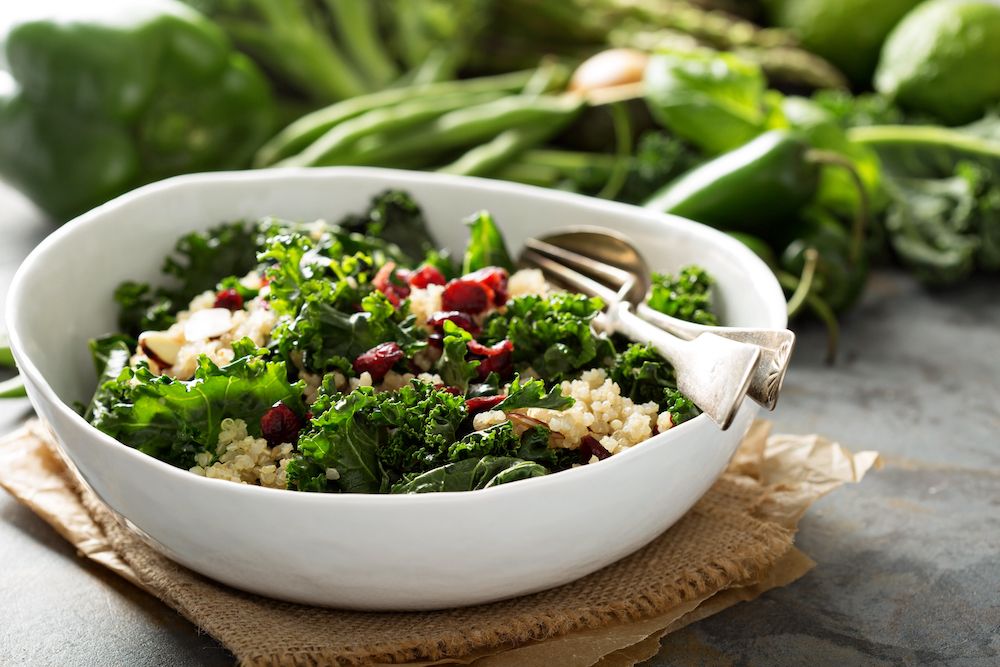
(421, 422)
(202, 260)
(342, 438)
(454, 370)
(111, 355)
(394, 217)
(943, 228)
(551, 336)
(470, 474)
(535, 447)
(321, 298)
(496, 440)
(532, 395)
(175, 419)
(688, 296)
(486, 246)
(714, 100)
(659, 158)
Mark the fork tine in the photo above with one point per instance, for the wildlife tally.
(570, 277)
(587, 265)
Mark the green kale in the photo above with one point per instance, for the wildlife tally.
(395, 218)
(454, 370)
(680, 408)
(486, 246)
(330, 311)
(469, 475)
(202, 260)
(342, 437)
(497, 440)
(659, 159)
(175, 419)
(421, 424)
(111, 355)
(535, 447)
(688, 296)
(551, 336)
(643, 376)
(532, 395)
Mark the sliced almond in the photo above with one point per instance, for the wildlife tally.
(208, 323)
(160, 348)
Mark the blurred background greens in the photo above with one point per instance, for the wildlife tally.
(827, 135)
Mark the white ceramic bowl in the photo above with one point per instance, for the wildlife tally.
(374, 552)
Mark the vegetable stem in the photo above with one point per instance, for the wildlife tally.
(623, 141)
(860, 226)
(13, 388)
(805, 285)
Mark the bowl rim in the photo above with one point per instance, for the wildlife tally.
(37, 382)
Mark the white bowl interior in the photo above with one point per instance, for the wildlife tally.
(61, 297)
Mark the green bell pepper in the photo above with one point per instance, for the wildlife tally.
(109, 97)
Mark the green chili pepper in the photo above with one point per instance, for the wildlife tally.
(757, 188)
(108, 100)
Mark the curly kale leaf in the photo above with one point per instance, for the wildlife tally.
(688, 296)
(644, 376)
(343, 437)
(469, 475)
(330, 313)
(659, 158)
(111, 355)
(175, 419)
(535, 447)
(497, 440)
(486, 246)
(395, 218)
(532, 395)
(201, 260)
(421, 424)
(454, 370)
(551, 336)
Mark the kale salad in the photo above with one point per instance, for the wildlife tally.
(358, 358)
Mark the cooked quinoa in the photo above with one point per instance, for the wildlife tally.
(244, 459)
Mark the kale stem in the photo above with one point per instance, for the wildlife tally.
(860, 226)
(6, 358)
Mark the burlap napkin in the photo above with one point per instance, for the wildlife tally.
(733, 545)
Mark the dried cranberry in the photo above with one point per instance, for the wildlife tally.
(590, 447)
(464, 296)
(426, 275)
(483, 403)
(229, 298)
(656, 430)
(494, 359)
(436, 340)
(454, 391)
(494, 279)
(461, 320)
(280, 424)
(383, 283)
(378, 360)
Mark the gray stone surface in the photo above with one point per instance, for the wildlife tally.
(908, 561)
